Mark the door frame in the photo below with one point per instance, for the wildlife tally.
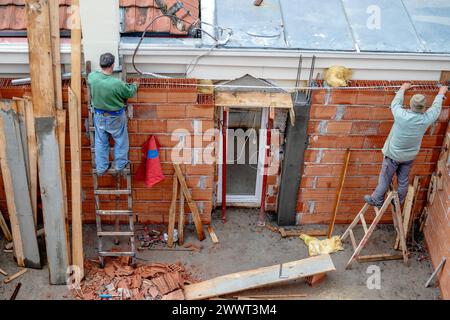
(246, 200)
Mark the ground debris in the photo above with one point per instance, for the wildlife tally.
(119, 281)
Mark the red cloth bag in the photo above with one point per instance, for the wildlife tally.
(150, 170)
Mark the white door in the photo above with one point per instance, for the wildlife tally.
(247, 137)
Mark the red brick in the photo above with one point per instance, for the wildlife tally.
(199, 111)
(152, 126)
(171, 111)
(373, 98)
(185, 96)
(338, 127)
(322, 112)
(365, 127)
(344, 96)
(147, 95)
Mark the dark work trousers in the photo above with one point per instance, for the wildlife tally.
(389, 168)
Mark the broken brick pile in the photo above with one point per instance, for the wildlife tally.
(360, 120)
(120, 281)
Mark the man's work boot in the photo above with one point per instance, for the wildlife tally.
(369, 200)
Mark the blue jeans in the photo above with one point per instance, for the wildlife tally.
(389, 168)
(117, 127)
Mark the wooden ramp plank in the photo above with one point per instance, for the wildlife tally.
(261, 277)
(52, 200)
(16, 187)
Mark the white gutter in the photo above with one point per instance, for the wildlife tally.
(281, 65)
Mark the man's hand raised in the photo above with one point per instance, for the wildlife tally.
(406, 86)
(443, 90)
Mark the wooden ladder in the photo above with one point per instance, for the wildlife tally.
(118, 191)
(391, 200)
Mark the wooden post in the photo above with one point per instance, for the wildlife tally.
(192, 205)
(75, 161)
(51, 182)
(56, 51)
(338, 195)
(172, 211)
(5, 229)
(181, 220)
(32, 156)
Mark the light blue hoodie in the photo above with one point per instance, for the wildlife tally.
(405, 139)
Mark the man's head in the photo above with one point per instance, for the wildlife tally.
(107, 62)
(418, 103)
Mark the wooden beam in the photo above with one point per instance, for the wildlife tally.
(192, 205)
(338, 195)
(56, 51)
(75, 161)
(16, 188)
(408, 210)
(51, 181)
(5, 229)
(32, 157)
(40, 57)
(181, 220)
(213, 235)
(15, 276)
(379, 257)
(172, 211)
(254, 100)
(257, 278)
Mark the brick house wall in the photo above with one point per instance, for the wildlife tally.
(160, 107)
(437, 233)
(360, 120)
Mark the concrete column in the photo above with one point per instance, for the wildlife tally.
(100, 23)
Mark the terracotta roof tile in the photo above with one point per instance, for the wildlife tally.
(137, 16)
(13, 15)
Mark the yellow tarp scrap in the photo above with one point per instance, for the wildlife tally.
(317, 247)
(337, 76)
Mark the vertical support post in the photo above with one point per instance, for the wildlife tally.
(51, 183)
(75, 138)
(224, 164)
(262, 213)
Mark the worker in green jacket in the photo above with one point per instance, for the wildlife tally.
(108, 97)
(404, 141)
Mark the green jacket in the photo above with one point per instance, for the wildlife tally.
(109, 93)
(405, 139)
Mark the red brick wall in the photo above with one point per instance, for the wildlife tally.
(437, 233)
(360, 120)
(160, 107)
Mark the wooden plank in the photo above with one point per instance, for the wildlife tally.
(257, 278)
(15, 276)
(172, 211)
(56, 51)
(339, 195)
(52, 200)
(181, 219)
(40, 57)
(254, 100)
(16, 189)
(5, 228)
(411, 197)
(213, 235)
(192, 205)
(379, 257)
(3, 272)
(435, 272)
(32, 157)
(75, 161)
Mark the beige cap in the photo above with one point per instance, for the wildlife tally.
(418, 103)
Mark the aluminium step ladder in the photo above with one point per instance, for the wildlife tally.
(117, 192)
(391, 200)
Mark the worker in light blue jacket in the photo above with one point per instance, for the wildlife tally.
(404, 141)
